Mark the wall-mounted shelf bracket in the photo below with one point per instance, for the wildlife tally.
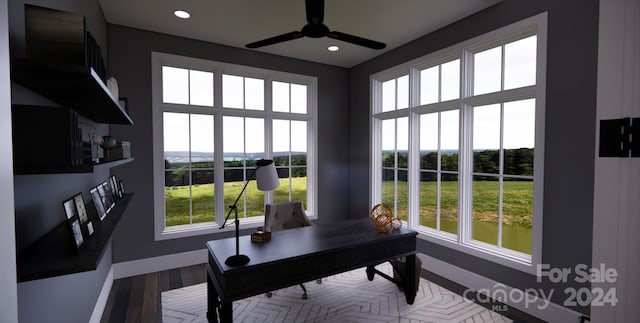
(620, 137)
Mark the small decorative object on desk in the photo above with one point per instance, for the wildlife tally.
(382, 216)
(260, 236)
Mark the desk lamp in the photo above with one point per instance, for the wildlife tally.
(267, 180)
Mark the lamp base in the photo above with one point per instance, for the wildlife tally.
(237, 260)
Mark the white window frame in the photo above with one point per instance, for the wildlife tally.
(536, 25)
(218, 68)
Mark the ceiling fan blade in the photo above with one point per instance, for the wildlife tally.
(315, 11)
(356, 40)
(276, 39)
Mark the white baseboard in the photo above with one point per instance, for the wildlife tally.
(155, 264)
(101, 303)
(534, 306)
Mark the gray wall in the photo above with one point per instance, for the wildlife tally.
(38, 198)
(130, 62)
(68, 298)
(569, 126)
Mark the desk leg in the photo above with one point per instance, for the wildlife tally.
(371, 272)
(212, 301)
(226, 312)
(410, 279)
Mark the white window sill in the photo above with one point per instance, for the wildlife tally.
(209, 228)
(521, 263)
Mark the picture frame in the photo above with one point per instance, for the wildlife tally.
(103, 198)
(85, 222)
(97, 201)
(113, 182)
(77, 234)
(108, 199)
(73, 220)
(121, 187)
(70, 208)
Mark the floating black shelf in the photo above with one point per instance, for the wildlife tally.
(88, 168)
(75, 86)
(54, 254)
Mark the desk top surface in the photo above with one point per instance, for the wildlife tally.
(299, 242)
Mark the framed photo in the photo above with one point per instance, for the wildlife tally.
(109, 202)
(103, 197)
(113, 182)
(73, 219)
(85, 222)
(77, 234)
(70, 209)
(97, 201)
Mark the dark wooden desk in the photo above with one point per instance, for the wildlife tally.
(300, 255)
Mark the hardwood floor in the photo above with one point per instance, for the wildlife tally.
(137, 299)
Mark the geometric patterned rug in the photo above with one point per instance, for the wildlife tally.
(345, 297)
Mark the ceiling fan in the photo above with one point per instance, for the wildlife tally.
(316, 29)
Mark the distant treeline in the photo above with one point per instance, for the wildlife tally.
(176, 173)
(516, 162)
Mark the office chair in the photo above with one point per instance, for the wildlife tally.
(286, 215)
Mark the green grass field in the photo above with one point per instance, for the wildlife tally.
(177, 200)
(517, 210)
(517, 206)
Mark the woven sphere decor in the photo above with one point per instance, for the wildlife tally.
(382, 216)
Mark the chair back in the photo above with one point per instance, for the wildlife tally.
(285, 215)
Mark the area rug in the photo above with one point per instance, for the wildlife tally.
(346, 297)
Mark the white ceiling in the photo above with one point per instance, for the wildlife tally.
(238, 22)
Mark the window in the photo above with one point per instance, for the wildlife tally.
(457, 144)
(439, 170)
(395, 148)
(290, 156)
(212, 122)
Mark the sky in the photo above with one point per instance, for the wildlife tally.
(437, 84)
(441, 83)
(240, 134)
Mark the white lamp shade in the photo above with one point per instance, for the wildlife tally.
(266, 175)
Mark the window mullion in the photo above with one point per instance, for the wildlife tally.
(268, 149)
(190, 172)
(440, 83)
(290, 162)
(268, 128)
(502, 69)
(501, 175)
(395, 165)
(465, 156)
(245, 171)
(465, 190)
(438, 172)
(413, 172)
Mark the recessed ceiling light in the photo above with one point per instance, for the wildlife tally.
(333, 48)
(181, 14)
